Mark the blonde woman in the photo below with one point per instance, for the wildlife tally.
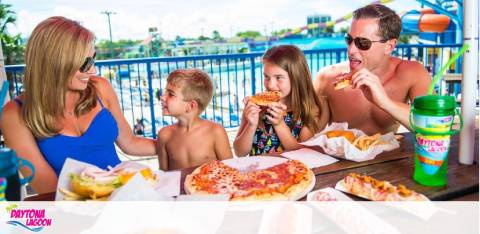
(66, 111)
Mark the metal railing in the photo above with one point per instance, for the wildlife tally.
(139, 82)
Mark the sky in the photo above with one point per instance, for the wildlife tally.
(187, 18)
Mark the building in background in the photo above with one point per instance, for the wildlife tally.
(315, 19)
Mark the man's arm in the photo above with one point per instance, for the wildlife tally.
(419, 81)
(412, 72)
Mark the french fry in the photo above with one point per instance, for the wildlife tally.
(68, 193)
(365, 142)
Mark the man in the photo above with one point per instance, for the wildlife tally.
(381, 85)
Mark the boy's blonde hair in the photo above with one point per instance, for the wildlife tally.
(55, 51)
(304, 101)
(194, 84)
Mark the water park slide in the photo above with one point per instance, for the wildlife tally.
(329, 23)
(425, 20)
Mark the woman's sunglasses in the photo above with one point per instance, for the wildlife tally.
(361, 42)
(89, 61)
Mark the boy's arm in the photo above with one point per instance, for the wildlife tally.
(162, 151)
(221, 143)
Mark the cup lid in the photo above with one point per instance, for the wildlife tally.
(435, 102)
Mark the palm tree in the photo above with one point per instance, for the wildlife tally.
(11, 45)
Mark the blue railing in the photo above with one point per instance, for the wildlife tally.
(139, 82)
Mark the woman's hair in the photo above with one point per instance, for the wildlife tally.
(303, 99)
(55, 51)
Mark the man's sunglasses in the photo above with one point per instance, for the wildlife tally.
(361, 42)
(89, 61)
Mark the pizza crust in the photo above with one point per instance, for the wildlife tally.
(265, 98)
(300, 190)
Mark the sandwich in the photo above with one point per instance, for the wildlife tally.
(265, 98)
(94, 183)
(344, 81)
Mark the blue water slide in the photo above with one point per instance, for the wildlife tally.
(410, 21)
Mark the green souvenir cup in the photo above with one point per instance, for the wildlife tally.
(431, 118)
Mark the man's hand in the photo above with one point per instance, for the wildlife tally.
(371, 87)
(251, 112)
(275, 113)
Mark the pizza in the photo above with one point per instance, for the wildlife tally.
(289, 180)
(344, 81)
(265, 98)
(378, 190)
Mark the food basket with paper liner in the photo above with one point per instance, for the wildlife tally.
(352, 144)
(128, 181)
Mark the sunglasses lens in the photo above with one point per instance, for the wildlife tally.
(87, 64)
(363, 43)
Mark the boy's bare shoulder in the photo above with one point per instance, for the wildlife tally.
(214, 127)
(166, 132)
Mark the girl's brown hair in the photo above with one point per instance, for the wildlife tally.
(55, 51)
(305, 104)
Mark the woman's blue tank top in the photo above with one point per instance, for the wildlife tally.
(96, 146)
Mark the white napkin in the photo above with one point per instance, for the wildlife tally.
(342, 148)
(138, 189)
(310, 157)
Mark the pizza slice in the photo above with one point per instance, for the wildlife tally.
(345, 81)
(286, 181)
(378, 190)
(265, 98)
(213, 177)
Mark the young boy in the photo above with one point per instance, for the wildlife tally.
(191, 141)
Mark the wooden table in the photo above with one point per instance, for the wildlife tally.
(395, 166)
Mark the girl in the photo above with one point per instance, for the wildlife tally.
(296, 118)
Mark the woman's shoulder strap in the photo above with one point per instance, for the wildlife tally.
(18, 101)
(100, 101)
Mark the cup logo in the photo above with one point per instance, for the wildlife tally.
(431, 152)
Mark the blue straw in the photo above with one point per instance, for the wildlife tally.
(3, 94)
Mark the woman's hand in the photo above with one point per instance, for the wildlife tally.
(275, 113)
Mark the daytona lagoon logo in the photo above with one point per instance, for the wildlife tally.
(31, 219)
